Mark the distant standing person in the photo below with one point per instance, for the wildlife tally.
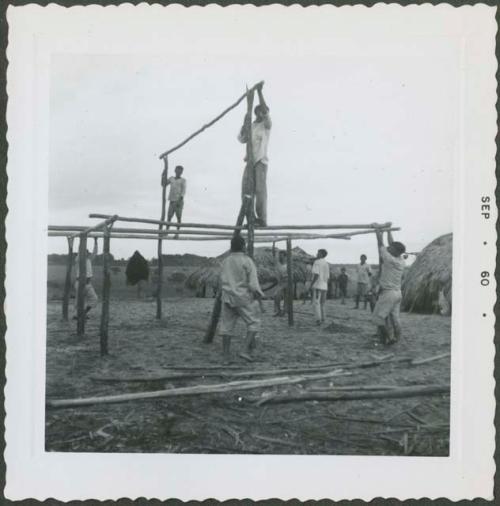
(319, 285)
(387, 308)
(260, 132)
(363, 273)
(342, 281)
(281, 291)
(241, 296)
(90, 296)
(176, 196)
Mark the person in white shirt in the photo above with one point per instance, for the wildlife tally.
(260, 132)
(241, 296)
(176, 196)
(387, 308)
(364, 273)
(281, 293)
(90, 296)
(319, 285)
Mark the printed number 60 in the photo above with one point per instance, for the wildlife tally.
(485, 278)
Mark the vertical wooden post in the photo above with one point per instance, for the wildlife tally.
(251, 173)
(289, 269)
(106, 287)
(164, 179)
(67, 283)
(82, 283)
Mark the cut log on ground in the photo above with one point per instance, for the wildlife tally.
(403, 392)
(430, 359)
(194, 390)
(212, 373)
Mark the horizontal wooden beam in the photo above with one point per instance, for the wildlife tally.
(175, 231)
(168, 223)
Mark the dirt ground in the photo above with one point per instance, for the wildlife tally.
(233, 422)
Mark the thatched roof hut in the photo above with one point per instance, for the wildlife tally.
(208, 275)
(427, 283)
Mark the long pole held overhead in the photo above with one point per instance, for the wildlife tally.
(210, 123)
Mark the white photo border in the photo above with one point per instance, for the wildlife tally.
(35, 33)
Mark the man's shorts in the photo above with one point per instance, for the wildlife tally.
(249, 314)
(175, 207)
(362, 289)
(388, 302)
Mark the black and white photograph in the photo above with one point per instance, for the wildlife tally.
(252, 237)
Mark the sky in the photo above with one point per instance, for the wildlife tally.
(364, 128)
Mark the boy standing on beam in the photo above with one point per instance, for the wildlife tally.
(260, 132)
(386, 311)
(176, 196)
(241, 294)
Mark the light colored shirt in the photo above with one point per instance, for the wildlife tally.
(89, 266)
(392, 270)
(260, 139)
(177, 188)
(322, 269)
(239, 280)
(363, 272)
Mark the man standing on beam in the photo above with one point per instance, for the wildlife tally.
(176, 196)
(260, 131)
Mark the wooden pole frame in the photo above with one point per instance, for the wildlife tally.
(67, 283)
(82, 283)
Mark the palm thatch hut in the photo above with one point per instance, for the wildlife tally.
(205, 279)
(427, 283)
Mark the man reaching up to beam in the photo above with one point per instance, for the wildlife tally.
(176, 196)
(241, 294)
(386, 311)
(260, 131)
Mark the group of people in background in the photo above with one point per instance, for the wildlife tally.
(242, 295)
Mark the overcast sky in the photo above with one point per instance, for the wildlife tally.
(364, 128)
